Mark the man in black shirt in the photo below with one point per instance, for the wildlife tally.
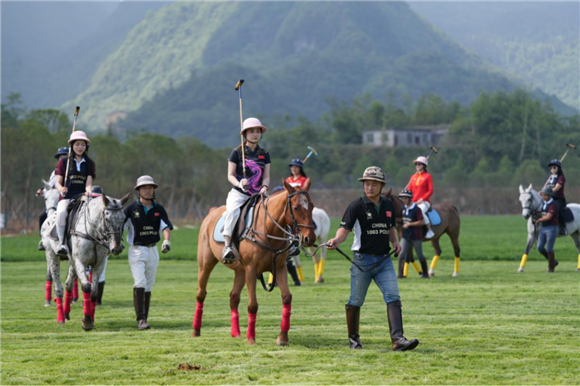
(371, 217)
(146, 219)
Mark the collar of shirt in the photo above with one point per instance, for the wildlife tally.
(367, 201)
(409, 208)
(144, 207)
(249, 149)
(79, 163)
(546, 203)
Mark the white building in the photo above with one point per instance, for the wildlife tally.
(417, 136)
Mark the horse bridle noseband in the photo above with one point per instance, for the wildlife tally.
(101, 239)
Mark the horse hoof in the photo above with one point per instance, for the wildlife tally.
(577, 269)
(251, 342)
(239, 336)
(455, 274)
(431, 274)
(520, 269)
(47, 303)
(67, 316)
(61, 322)
(74, 300)
(195, 333)
(279, 342)
(87, 323)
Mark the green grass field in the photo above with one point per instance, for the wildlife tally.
(491, 325)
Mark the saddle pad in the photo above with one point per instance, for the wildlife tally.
(53, 235)
(219, 226)
(434, 217)
(567, 215)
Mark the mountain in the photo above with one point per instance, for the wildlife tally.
(50, 50)
(536, 42)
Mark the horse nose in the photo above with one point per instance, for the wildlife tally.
(307, 240)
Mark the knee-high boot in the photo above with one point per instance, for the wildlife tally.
(139, 303)
(424, 269)
(552, 262)
(352, 322)
(400, 343)
(401, 267)
(147, 303)
(100, 293)
(292, 271)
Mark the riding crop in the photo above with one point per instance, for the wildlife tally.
(76, 114)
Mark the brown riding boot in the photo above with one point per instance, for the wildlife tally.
(352, 321)
(424, 270)
(400, 343)
(139, 303)
(552, 262)
(147, 303)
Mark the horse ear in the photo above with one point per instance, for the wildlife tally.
(521, 189)
(46, 185)
(125, 199)
(529, 189)
(307, 184)
(105, 199)
(288, 187)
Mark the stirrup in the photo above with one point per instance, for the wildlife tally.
(62, 251)
(429, 234)
(229, 255)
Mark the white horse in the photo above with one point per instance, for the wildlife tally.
(51, 196)
(322, 222)
(531, 207)
(97, 232)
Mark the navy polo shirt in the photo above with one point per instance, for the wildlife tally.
(370, 224)
(145, 225)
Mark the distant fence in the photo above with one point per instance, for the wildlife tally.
(469, 201)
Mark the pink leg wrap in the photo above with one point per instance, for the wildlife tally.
(93, 308)
(251, 334)
(198, 315)
(87, 304)
(76, 289)
(286, 312)
(90, 277)
(48, 290)
(235, 323)
(67, 301)
(59, 312)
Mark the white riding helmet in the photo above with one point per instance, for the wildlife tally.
(145, 180)
(422, 160)
(251, 123)
(78, 135)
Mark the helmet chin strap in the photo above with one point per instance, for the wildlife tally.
(252, 142)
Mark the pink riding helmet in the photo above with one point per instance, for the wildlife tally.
(422, 160)
(251, 123)
(78, 135)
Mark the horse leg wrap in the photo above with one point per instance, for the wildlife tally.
(416, 266)
(90, 277)
(578, 268)
(59, 310)
(93, 308)
(251, 334)
(48, 290)
(76, 289)
(286, 312)
(406, 269)
(300, 274)
(316, 269)
(235, 323)
(456, 267)
(434, 261)
(87, 304)
(524, 260)
(67, 301)
(198, 316)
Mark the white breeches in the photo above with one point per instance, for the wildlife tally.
(233, 203)
(425, 206)
(143, 262)
(61, 212)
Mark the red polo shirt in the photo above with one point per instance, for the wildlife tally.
(421, 184)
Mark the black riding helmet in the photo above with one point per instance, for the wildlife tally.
(97, 190)
(61, 151)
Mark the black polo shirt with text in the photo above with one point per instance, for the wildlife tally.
(370, 225)
(146, 226)
(256, 162)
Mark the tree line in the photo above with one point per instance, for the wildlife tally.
(500, 140)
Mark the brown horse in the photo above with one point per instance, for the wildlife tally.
(267, 242)
(450, 224)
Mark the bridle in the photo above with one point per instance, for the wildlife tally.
(289, 238)
(101, 239)
(529, 203)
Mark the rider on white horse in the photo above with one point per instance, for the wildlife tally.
(80, 177)
(556, 181)
(421, 185)
(60, 153)
(254, 180)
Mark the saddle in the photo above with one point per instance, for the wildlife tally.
(245, 221)
(73, 208)
(567, 215)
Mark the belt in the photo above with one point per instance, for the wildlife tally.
(371, 254)
(148, 245)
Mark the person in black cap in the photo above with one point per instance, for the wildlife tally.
(62, 152)
(556, 181)
(146, 220)
(371, 218)
(549, 227)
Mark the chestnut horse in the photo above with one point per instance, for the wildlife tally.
(450, 224)
(266, 242)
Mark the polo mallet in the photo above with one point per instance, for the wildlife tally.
(570, 146)
(312, 151)
(239, 90)
(76, 114)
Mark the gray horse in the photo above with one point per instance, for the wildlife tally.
(96, 233)
(531, 208)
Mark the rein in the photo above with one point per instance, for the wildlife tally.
(373, 266)
(288, 240)
(101, 238)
